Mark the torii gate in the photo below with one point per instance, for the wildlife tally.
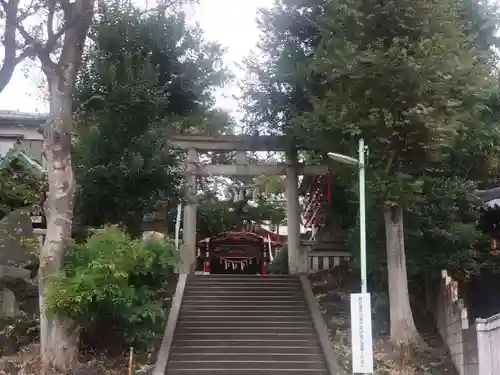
(297, 258)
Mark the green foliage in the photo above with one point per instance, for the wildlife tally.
(441, 227)
(417, 80)
(216, 216)
(407, 87)
(276, 91)
(18, 188)
(111, 283)
(145, 78)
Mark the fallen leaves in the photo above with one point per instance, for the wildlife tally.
(334, 304)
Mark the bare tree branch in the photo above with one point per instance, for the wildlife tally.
(10, 60)
(43, 50)
(74, 38)
(50, 19)
(27, 52)
(52, 41)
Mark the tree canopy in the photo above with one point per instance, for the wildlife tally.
(418, 82)
(19, 188)
(145, 78)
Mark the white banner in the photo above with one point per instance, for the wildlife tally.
(178, 226)
(361, 334)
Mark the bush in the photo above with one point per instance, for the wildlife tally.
(112, 283)
(280, 264)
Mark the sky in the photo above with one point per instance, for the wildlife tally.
(229, 22)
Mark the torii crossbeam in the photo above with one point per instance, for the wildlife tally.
(228, 143)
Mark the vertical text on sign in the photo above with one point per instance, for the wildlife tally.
(361, 333)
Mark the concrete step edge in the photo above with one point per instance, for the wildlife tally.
(246, 340)
(251, 325)
(247, 347)
(217, 371)
(238, 327)
(243, 361)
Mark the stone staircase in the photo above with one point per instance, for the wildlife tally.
(245, 325)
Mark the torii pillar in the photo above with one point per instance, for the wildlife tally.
(188, 248)
(297, 257)
(297, 262)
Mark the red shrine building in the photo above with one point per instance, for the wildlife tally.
(251, 252)
(235, 252)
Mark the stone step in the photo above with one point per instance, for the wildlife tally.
(244, 330)
(243, 302)
(247, 357)
(211, 341)
(245, 292)
(218, 371)
(243, 288)
(245, 325)
(247, 286)
(281, 305)
(236, 280)
(231, 324)
(242, 317)
(240, 311)
(270, 280)
(250, 336)
(246, 365)
(244, 277)
(244, 297)
(284, 348)
(201, 309)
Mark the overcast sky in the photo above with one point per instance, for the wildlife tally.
(230, 22)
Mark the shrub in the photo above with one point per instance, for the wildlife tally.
(112, 283)
(280, 264)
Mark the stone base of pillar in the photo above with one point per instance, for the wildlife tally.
(292, 261)
(302, 266)
(186, 264)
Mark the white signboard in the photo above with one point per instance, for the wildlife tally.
(361, 334)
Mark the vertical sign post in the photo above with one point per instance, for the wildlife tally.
(361, 319)
(361, 334)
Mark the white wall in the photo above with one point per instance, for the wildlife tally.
(488, 336)
(31, 140)
(26, 132)
(6, 143)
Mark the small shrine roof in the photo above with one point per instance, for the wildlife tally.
(27, 161)
(235, 236)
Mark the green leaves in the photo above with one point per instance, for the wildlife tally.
(112, 278)
(19, 188)
(215, 216)
(146, 78)
(415, 79)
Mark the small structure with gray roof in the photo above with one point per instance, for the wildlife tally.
(17, 128)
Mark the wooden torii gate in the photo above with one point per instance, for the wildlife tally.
(297, 259)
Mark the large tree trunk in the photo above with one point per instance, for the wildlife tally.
(59, 336)
(403, 329)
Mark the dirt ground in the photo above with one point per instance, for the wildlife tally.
(93, 362)
(332, 290)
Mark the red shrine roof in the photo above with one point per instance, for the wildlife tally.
(238, 236)
(278, 239)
